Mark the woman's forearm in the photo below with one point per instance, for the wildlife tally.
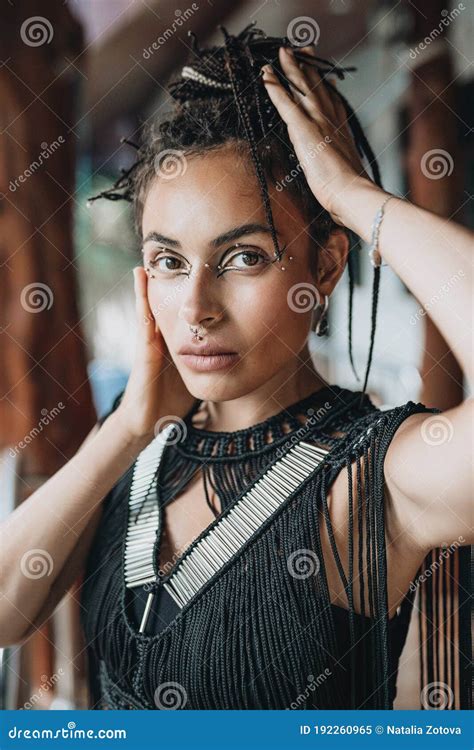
(39, 536)
(431, 255)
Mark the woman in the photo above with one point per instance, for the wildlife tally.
(282, 579)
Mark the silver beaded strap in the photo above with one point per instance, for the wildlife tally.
(220, 542)
(143, 518)
(194, 75)
(232, 531)
(374, 254)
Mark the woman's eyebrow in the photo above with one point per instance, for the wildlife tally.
(241, 231)
(229, 236)
(157, 237)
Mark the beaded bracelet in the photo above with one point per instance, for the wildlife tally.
(374, 254)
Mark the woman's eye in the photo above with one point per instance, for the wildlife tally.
(249, 259)
(168, 263)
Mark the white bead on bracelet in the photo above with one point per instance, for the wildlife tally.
(374, 254)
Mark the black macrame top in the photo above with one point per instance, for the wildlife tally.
(259, 634)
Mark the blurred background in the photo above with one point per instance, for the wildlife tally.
(75, 78)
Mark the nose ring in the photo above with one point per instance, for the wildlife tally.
(197, 333)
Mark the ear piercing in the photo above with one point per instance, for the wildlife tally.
(322, 325)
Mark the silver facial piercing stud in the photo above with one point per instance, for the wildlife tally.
(197, 333)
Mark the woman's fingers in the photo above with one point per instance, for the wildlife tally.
(322, 102)
(294, 74)
(289, 110)
(145, 319)
(319, 103)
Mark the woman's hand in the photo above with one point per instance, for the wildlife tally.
(155, 392)
(318, 129)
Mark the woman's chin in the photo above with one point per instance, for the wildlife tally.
(214, 387)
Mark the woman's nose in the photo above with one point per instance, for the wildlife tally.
(199, 301)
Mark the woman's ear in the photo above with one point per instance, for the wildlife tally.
(332, 259)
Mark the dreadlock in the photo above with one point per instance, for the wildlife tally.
(219, 99)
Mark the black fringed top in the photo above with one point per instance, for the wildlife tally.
(260, 633)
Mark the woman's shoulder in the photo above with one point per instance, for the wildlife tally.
(349, 421)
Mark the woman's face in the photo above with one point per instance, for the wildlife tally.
(252, 309)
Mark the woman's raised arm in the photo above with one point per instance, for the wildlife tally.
(40, 535)
(428, 466)
(45, 540)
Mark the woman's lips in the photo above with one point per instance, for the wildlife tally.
(209, 362)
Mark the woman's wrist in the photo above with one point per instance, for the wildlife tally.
(356, 204)
(132, 441)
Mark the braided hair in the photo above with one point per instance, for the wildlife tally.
(219, 99)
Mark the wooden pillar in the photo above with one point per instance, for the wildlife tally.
(45, 399)
(435, 167)
(46, 406)
(435, 174)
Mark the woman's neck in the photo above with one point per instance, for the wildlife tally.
(286, 388)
